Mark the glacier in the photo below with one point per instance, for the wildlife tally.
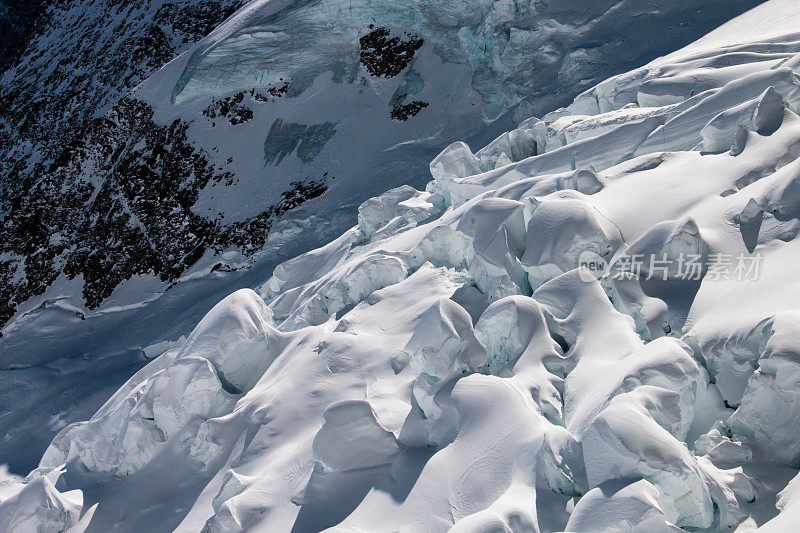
(455, 362)
(169, 182)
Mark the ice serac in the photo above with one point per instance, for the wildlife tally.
(236, 328)
(224, 356)
(563, 227)
(767, 416)
(590, 324)
(727, 130)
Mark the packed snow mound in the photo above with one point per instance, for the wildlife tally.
(600, 334)
(621, 507)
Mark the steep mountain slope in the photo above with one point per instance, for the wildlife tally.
(79, 58)
(591, 324)
(208, 153)
(124, 218)
(67, 62)
(64, 63)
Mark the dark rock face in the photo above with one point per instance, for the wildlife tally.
(230, 108)
(136, 220)
(193, 21)
(16, 19)
(384, 55)
(109, 198)
(235, 108)
(405, 111)
(70, 61)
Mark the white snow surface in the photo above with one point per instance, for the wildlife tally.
(451, 364)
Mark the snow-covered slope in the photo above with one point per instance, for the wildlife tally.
(591, 324)
(66, 62)
(207, 154)
(126, 217)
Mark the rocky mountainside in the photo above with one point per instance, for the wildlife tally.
(76, 60)
(137, 189)
(69, 61)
